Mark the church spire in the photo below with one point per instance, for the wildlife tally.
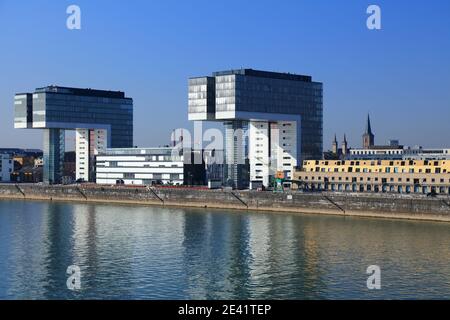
(368, 137)
(368, 126)
(334, 149)
(345, 146)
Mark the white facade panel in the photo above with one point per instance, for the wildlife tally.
(120, 158)
(259, 153)
(140, 170)
(88, 144)
(158, 164)
(109, 175)
(272, 148)
(82, 154)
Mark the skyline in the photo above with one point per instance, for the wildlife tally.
(150, 52)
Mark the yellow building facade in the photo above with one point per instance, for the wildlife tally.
(394, 176)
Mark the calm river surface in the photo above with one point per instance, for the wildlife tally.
(136, 252)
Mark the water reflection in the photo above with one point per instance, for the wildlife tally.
(133, 252)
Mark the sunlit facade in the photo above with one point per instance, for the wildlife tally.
(140, 166)
(261, 104)
(394, 176)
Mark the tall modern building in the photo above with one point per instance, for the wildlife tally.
(273, 121)
(102, 119)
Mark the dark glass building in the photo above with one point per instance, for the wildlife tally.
(267, 101)
(101, 118)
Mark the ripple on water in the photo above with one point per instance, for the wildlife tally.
(135, 252)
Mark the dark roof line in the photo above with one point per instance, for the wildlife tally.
(82, 92)
(265, 74)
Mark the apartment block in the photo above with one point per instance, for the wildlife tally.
(394, 176)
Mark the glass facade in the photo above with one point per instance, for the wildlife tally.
(53, 155)
(226, 94)
(62, 108)
(243, 94)
(252, 94)
(237, 166)
(201, 98)
(89, 112)
(23, 112)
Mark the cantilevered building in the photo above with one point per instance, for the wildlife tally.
(102, 119)
(273, 121)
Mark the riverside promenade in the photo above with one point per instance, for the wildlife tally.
(418, 207)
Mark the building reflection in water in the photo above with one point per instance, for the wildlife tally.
(23, 253)
(136, 252)
(249, 255)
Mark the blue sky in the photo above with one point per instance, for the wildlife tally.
(400, 74)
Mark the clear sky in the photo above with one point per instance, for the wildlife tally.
(400, 74)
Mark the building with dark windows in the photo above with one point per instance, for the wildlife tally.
(376, 176)
(101, 119)
(273, 121)
(152, 166)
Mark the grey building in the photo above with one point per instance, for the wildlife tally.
(285, 110)
(101, 118)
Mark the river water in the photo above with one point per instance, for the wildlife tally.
(137, 252)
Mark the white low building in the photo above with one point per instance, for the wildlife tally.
(6, 167)
(418, 153)
(399, 153)
(140, 166)
(377, 153)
